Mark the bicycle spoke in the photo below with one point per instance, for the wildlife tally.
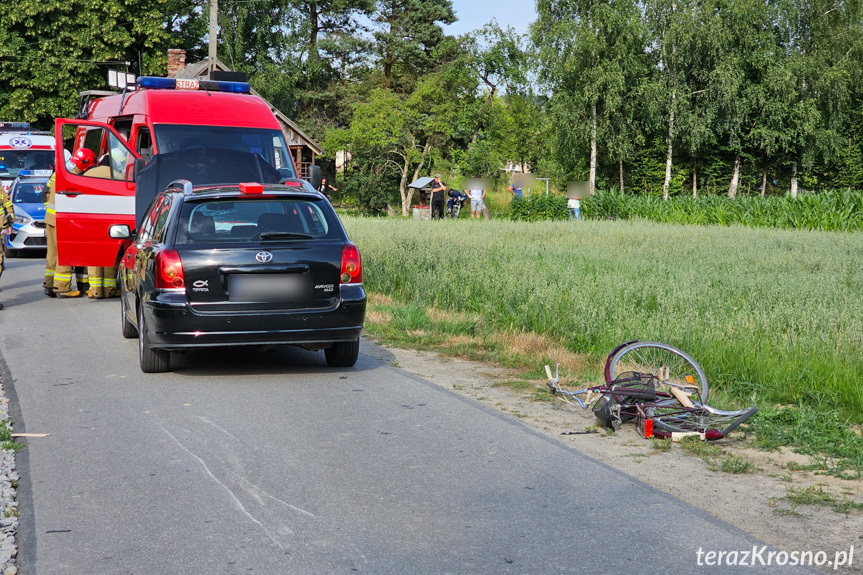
(700, 419)
(665, 362)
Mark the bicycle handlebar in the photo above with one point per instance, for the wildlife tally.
(564, 394)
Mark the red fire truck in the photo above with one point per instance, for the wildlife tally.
(162, 115)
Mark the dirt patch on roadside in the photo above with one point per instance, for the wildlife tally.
(756, 502)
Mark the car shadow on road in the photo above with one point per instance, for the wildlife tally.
(249, 360)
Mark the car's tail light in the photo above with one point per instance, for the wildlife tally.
(352, 268)
(169, 270)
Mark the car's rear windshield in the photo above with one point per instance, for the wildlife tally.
(255, 221)
(28, 193)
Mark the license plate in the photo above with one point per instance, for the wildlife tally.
(268, 287)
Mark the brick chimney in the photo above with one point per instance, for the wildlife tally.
(176, 61)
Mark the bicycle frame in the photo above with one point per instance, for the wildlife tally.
(672, 414)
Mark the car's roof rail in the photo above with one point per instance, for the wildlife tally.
(183, 185)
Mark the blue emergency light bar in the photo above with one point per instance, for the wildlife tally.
(14, 126)
(157, 83)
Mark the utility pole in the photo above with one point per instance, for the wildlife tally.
(214, 27)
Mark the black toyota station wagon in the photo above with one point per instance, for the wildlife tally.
(240, 264)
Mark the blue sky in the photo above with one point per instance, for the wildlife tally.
(474, 14)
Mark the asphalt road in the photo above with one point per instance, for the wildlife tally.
(243, 461)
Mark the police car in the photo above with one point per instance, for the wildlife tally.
(23, 149)
(28, 231)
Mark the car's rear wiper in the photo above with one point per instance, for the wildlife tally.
(284, 236)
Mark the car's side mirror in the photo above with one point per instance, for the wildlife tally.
(315, 176)
(120, 232)
(139, 165)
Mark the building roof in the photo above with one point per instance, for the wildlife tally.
(421, 182)
(201, 69)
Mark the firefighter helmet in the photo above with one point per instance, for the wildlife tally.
(83, 159)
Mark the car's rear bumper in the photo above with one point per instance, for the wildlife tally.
(173, 324)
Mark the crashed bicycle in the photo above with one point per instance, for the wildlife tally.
(659, 387)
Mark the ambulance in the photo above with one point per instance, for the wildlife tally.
(23, 149)
(124, 130)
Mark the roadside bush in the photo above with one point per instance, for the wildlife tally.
(539, 207)
(370, 193)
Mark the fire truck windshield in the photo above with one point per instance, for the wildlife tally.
(269, 144)
(13, 160)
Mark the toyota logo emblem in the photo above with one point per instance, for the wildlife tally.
(264, 257)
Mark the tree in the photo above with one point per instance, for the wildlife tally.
(50, 50)
(591, 53)
(330, 19)
(251, 34)
(187, 23)
(498, 60)
(824, 43)
(673, 27)
(386, 134)
(392, 132)
(407, 33)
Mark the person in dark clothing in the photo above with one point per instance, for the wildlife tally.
(438, 197)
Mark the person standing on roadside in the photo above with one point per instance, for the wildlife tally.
(326, 187)
(7, 218)
(574, 207)
(438, 197)
(477, 198)
(516, 192)
(58, 279)
(102, 281)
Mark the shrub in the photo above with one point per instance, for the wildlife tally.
(539, 207)
(371, 193)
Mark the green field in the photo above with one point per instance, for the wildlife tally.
(773, 316)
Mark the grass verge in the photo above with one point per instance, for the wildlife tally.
(750, 305)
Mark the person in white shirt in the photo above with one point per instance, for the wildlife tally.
(476, 200)
(574, 207)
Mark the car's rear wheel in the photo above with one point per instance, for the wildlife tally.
(152, 360)
(129, 331)
(343, 353)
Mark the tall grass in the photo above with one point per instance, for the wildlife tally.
(772, 315)
(836, 210)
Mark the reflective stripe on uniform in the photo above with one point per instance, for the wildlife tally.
(60, 278)
(95, 282)
(95, 204)
(110, 283)
(49, 273)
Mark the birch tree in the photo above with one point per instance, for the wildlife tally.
(590, 52)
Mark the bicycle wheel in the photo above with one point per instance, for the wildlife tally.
(664, 361)
(713, 423)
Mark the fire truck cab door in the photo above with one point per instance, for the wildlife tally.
(88, 204)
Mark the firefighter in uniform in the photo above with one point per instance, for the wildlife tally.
(7, 217)
(102, 280)
(58, 279)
